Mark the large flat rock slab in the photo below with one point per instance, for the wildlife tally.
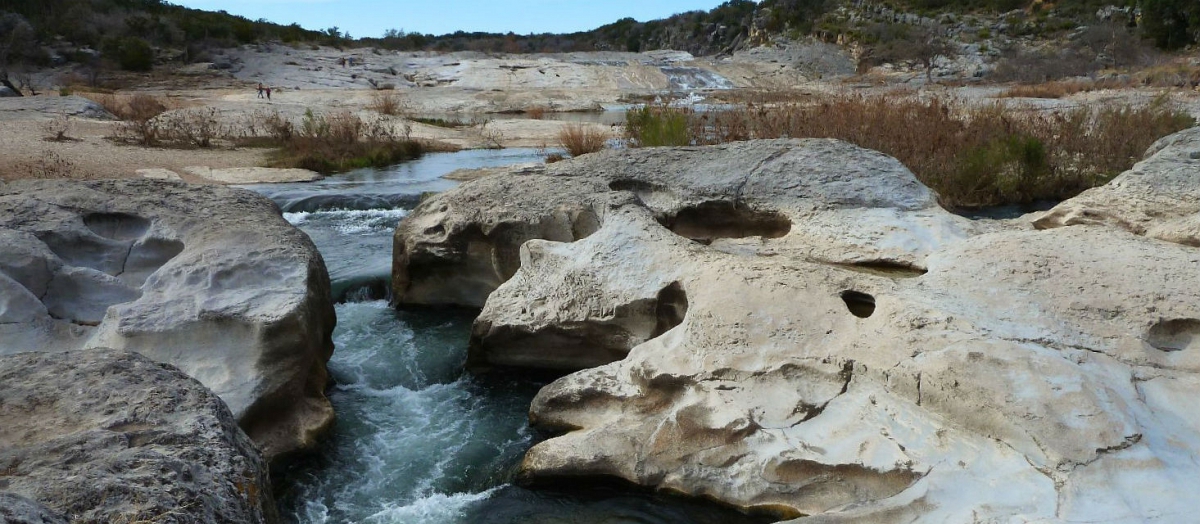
(112, 436)
(209, 279)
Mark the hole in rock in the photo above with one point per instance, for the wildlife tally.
(860, 304)
(711, 220)
(1175, 335)
(116, 226)
(670, 309)
(636, 186)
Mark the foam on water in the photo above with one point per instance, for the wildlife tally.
(350, 221)
(415, 436)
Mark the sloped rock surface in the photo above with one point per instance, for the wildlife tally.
(815, 337)
(111, 436)
(211, 280)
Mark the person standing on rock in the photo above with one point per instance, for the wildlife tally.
(260, 90)
(268, 88)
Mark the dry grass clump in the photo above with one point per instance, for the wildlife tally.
(134, 107)
(972, 155)
(580, 139)
(1183, 75)
(48, 165)
(536, 112)
(1056, 89)
(335, 142)
(58, 129)
(386, 103)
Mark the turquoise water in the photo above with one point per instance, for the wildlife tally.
(417, 440)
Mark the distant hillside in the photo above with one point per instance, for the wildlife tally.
(136, 34)
(130, 34)
(736, 24)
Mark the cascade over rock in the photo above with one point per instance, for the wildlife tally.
(211, 280)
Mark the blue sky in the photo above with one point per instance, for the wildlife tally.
(373, 17)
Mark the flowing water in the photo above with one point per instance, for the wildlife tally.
(417, 440)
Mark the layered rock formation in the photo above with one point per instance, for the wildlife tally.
(111, 436)
(796, 327)
(209, 279)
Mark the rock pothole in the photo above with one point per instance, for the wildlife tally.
(860, 304)
(106, 263)
(1175, 335)
(117, 226)
(716, 219)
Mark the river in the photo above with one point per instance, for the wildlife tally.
(418, 440)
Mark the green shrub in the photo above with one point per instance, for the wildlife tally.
(131, 53)
(653, 126)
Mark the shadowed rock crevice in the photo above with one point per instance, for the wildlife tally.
(116, 226)
(717, 219)
(1175, 335)
(671, 308)
(571, 345)
(827, 486)
(885, 268)
(461, 264)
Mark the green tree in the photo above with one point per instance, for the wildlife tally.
(133, 54)
(1172, 24)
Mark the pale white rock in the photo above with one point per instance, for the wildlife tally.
(158, 174)
(209, 279)
(252, 175)
(469, 174)
(796, 327)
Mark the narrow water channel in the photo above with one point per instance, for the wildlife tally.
(418, 440)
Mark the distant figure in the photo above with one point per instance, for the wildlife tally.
(342, 61)
(350, 61)
(268, 92)
(260, 90)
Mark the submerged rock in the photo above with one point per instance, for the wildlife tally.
(111, 436)
(795, 327)
(211, 280)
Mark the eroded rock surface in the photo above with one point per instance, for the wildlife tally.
(111, 436)
(209, 279)
(796, 327)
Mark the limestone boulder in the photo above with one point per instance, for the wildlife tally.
(112, 436)
(1159, 197)
(211, 280)
(866, 357)
(819, 200)
(457, 247)
(810, 389)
